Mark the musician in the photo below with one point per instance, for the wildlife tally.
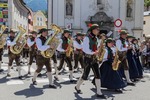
(41, 61)
(133, 70)
(110, 78)
(78, 53)
(122, 46)
(32, 49)
(90, 61)
(63, 48)
(25, 53)
(136, 57)
(11, 56)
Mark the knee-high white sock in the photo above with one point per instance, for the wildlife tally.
(35, 76)
(71, 75)
(29, 67)
(9, 67)
(50, 78)
(126, 72)
(80, 81)
(19, 70)
(56, 70)
(98, 86)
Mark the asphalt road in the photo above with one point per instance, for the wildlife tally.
(14, 89)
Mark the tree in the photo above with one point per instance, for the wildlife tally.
(147, 4)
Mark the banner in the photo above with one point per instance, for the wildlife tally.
(3, 5)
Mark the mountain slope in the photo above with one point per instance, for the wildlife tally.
(36, 5)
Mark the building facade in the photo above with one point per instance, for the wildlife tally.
(4, 12)
(18, 14)
(80, 13)
(39, 20)
(146, 30)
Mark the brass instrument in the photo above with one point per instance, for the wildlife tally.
(2, 36)
(52, 41)
(101, 51)
(69, 48)
(116, 62)
(20, 40)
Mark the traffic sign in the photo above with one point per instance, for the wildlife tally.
(118, 23)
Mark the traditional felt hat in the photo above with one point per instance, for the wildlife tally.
(67, 31)
(79, 34)
(94, 26)
(130, 36)
(109, 40)
(122, 32)
(43, 30)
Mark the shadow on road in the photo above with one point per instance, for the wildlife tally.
(30, 92)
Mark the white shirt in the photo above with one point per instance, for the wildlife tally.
(40, 46)
(120, 47)
(59, 48)
(29, 42)
(9, 43)
(76, 45)
(86, 46)
(105, 55)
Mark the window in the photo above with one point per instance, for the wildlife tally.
(144, 22)
(40, 19)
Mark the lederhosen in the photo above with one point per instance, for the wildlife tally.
(25, 51)
(89, 60)
(78, 56)
(54, 58)
(123, 56)
(1, 54)
(32, 51)
(63, 56)
(12, 56)
(41, 61)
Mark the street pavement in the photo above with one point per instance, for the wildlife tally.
(14, 89)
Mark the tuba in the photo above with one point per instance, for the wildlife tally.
(101, 51)
(69, 48)
(2, 36)
(52, 41)
(116, 62)
(20, 40)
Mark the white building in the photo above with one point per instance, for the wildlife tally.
(79, 13)
(146, 29)
(18, 14)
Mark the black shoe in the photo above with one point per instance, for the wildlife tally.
(34, 82)
(1, 70)
(39, 75)
(118, 91)
(20, 77)
(8, 75)
(73, 81)
(101, 96)
(29, 73)
(131, 84)
(53, 86)
(56, 78)
(78, 91)
(12, 67)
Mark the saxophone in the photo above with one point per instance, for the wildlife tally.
(69, 48)
(20, 40)
(52, 41)
(2, 36)
(101, 51)
(116, 62)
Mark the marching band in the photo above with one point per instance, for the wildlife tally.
(115, 63)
